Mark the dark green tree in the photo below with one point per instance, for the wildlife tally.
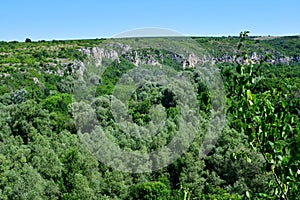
(27, 40)
(149, 191)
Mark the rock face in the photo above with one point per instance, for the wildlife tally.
(138, 58)
(255, 59)
(191, 61)
(99, 53)
(80, 68)
(111, 51)
(115, 51)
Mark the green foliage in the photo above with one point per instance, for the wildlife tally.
(27, 40)
(150, 95)
(26, 118)
(267, 120)
(57, 103)
(19, 96)
(42, 156)
(111, 76)
(221, 194)
(149, 191)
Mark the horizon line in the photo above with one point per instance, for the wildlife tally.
(128, 37)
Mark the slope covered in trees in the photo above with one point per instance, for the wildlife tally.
(42, 155)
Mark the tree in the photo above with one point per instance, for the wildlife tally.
(74, 185)
(149, 191)
(265, 117)
(27, 118)
(27, 40)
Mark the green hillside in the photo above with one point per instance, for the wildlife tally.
(57, 104)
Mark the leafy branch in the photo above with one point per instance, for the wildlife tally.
(263, 119)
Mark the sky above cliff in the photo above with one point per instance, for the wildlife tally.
(78, 19)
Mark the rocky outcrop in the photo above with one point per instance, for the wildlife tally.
(99, 53)
(145, 58)
(255, 59)
(112, 51)
(139, 58)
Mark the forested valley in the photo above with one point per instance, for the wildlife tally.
(53, 98)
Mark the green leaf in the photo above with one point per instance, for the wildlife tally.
(249, 95)
(291, 172)
(284, 104)
(248, 194)
(248, 160)
(271, 144)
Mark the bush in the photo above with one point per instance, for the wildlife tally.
(149, 191)
(28, 40)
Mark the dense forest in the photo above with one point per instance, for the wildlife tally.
(58, 102)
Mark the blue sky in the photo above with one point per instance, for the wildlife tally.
(77, 19)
